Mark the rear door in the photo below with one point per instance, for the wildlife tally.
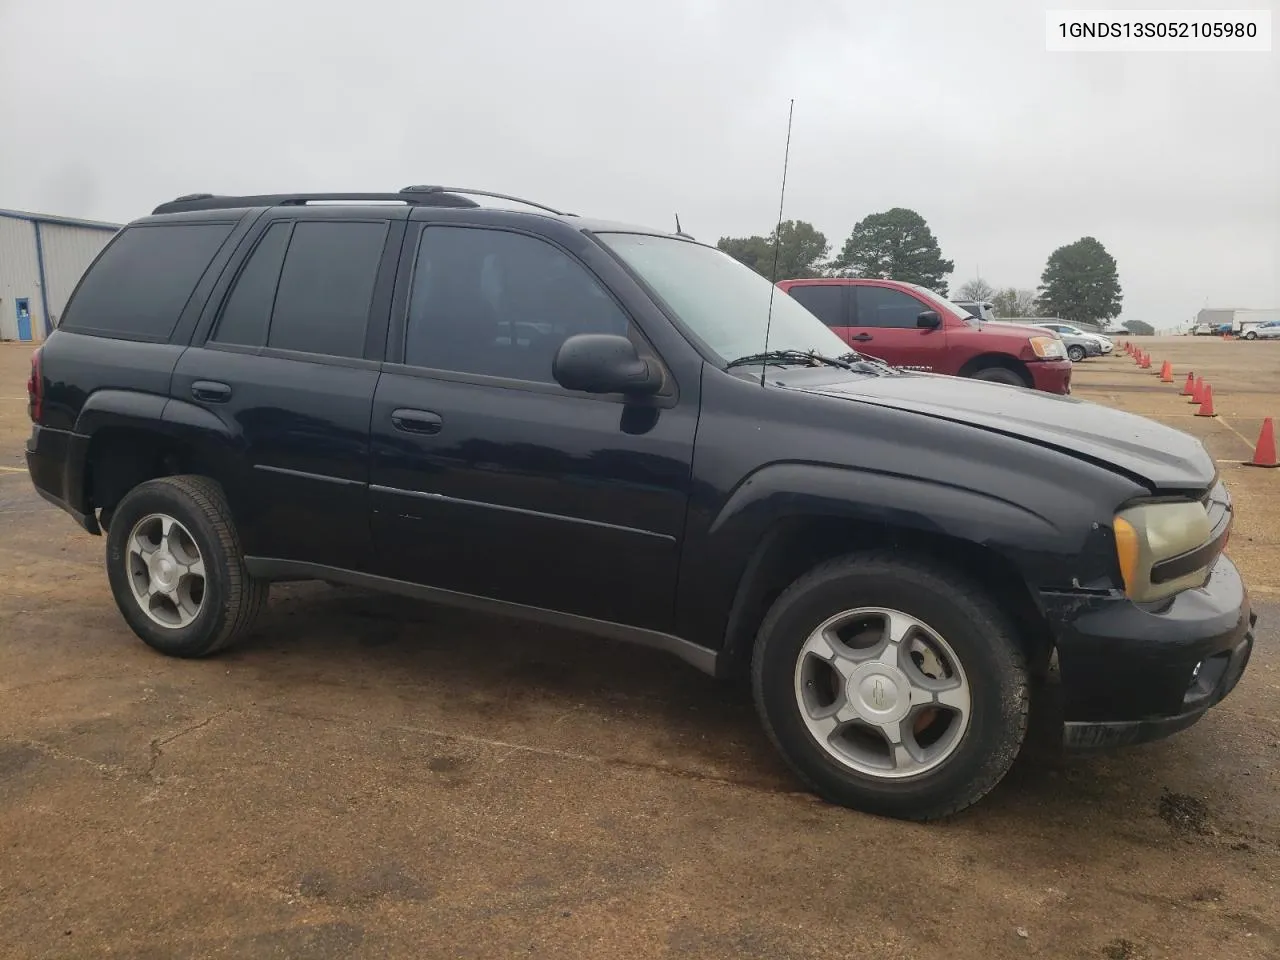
(285, 366)
(884, 325)
(829, 302)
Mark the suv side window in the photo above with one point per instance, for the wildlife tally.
(247, 310)
(325, 287)
(886, 307)
(825, 301)
(141, 283)
(499, 304)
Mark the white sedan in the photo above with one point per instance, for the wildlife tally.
(1264, 331)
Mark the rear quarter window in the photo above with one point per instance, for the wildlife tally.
(139, 286)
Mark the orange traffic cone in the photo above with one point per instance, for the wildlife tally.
(1190, 386)
(1137, 356)
(1206, 405)
(1264, 454)
(1197, 392)
(1146, 361)
(1166, 372)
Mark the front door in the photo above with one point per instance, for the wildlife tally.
(884, 325)
(490, 479)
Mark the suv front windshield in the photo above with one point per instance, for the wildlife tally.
(722, 302)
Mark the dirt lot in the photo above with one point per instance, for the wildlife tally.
(370, 777)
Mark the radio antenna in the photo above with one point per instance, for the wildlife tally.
(777, 237)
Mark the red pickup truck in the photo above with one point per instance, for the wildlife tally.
(909, 326)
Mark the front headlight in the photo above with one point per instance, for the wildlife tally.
(1048, 348)
(1164, 548)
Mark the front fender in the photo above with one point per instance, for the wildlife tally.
(783, 490)
(728, 568)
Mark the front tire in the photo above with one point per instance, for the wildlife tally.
(1001, 375)
(891, 686)
(176, 570)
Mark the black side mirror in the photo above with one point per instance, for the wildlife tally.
(604, 363)
(929, 320)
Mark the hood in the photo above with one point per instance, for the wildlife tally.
(1030, 331)
(1161, 457)
(999, 326)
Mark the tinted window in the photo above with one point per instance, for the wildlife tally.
(499, 303)
(143, 280)
(885, 307)
(824, 301)
(247, 310)
(322, 301)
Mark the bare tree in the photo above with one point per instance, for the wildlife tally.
(976, 289)
(1012, 302)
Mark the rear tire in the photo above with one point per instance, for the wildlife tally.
(823, 725)
(176, 570)
(1251, 335)
(1076, 353)
(1001, 375)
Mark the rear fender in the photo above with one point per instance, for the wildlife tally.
(212, 444)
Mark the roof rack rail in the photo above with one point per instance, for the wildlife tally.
(428, 190)
(208, 201)
(425, 195)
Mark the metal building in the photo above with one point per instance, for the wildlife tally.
(41, 260)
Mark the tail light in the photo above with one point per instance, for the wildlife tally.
(35, 389)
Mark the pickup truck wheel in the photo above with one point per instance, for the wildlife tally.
(176, 570)
(1001, 375)
(891, 687)
(1076, 353)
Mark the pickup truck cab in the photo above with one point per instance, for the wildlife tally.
(910, 326)
(579, 423)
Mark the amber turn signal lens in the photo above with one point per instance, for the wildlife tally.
(1129, 550)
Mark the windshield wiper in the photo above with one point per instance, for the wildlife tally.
(860, 362)
(784, 358)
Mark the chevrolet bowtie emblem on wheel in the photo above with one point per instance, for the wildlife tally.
(877, 694)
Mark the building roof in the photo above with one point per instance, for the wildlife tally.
(61, 221)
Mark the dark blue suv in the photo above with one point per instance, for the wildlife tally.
(629, 433)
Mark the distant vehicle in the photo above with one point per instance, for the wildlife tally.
(1077, 347)
(1264, 331)
(912, 327)
(1067, 330)
(1238, 321)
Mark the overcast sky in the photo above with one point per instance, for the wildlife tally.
(635, 110)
